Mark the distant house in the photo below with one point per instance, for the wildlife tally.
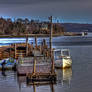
(44, 27)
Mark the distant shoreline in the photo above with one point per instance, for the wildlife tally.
(42, 35)
(29, 35)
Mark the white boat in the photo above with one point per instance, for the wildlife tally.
(62, 58)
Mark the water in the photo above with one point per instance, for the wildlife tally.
(61, 40)
(76, 79)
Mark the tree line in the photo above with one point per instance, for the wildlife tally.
(25, 26)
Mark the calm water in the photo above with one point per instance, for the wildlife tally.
(77, 79)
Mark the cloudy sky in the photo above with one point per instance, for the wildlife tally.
(65, 10)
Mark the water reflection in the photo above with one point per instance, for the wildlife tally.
(35, 86)
(67, 75)
(50, 85)
(3, 73)
(64, 76)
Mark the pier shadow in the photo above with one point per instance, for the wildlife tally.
(3, 73)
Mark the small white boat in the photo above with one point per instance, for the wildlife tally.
(62, 58)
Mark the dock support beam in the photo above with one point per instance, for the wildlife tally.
(51, 29)
(34, 88)
(34, 66)
(53, 67)
(36, 41)
(26, 45)
(15, 50)
(51, 54)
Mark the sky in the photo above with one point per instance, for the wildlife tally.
(78, 11)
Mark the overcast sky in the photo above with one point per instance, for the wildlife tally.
(66, 10)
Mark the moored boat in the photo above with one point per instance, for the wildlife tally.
(9, 64)
(62, 58)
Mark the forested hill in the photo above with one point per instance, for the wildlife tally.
(75, 27)
(25, 26)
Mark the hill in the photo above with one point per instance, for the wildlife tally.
(76, 27)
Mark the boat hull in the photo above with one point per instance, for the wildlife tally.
(67, 63)
(8, 67)
(64, 63)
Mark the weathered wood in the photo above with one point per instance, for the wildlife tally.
(51, 29)
(23, 70)
(34, 88)
(34, 67)
(15, 50)
(41, 83)
(26, 46)
(41, 77)
(51, 52)
(36, 41)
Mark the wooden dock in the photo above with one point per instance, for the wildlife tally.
(23, 49)
(42, 73)
(24, 70)
(38, 69)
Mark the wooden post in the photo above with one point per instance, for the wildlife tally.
(36, 41)
(34, 66)
(26, 45)
(52, 87)
(34, 88)
(51, 29)
(52, 58)
(15, 51)
(10, 52)
(53, 67)
(40, 49)
(32, 46)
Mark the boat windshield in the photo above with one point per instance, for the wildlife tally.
(57, 54)
(65, 53)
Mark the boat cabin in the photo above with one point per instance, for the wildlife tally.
(61, 53)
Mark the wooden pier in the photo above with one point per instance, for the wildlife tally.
(38, 71)
(41, 69)
(17, 50)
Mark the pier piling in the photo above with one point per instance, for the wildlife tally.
(26, 45)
